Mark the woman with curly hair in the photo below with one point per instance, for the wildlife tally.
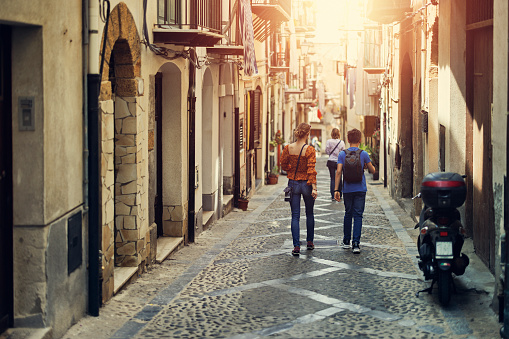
(299, 160)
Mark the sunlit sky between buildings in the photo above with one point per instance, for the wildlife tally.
(333, 16)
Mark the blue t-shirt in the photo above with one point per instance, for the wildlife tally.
(357, 186)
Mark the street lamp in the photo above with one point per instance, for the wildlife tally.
(304, 47)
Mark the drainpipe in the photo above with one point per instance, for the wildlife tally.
(191, 111)
(93, 83)
(504, 331)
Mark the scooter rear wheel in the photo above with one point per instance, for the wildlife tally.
(444, 287)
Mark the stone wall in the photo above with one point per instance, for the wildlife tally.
(108, 195)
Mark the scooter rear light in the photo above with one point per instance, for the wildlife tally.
(445, 264)
(443, 220)
(443, 234)
(424, 230)
(443, 184)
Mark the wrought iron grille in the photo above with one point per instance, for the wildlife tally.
(191, 14)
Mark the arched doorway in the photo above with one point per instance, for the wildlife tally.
(124, 226)
(227, 155)
(166, 149)
(210, 149)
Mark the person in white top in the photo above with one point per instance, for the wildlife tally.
(332, 148)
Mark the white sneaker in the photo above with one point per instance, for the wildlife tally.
(355, 248)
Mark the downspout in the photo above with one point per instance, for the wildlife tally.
(504, 331)
(191, 111)
(93, 85)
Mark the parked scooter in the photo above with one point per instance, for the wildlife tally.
(441, 233)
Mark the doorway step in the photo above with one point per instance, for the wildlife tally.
(166, 246)
(227, 204)
(207, 219)
(27, 333)
(121, 276)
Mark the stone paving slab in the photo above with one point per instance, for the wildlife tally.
(239, 280)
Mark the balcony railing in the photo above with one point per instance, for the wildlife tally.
(286, 5)
(190, 14)
(188, 22)
(279, 10)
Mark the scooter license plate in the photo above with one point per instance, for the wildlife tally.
(443, 249)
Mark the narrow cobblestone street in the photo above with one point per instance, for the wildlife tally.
(239, 280)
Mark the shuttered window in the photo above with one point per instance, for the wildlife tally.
(255, 119)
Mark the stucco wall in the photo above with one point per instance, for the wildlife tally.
(500, 110)
(48, 161)
(452, 82)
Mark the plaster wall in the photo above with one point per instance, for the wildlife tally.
(499, 130)
(226, 113)
(56, 180)
(45, 295)
(28, 146)
(47, 162)
(432, 146)
(210, 132)
(452, 82)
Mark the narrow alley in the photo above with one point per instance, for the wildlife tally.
(239, 280)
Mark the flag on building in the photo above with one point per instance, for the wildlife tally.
(246, 30)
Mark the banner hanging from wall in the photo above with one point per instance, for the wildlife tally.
(246, 30)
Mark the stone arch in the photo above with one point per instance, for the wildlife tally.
(124, 224)
(123, 51)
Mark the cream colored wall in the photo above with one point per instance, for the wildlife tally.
(28, 146)
(452, 82)
(499, 126)
(47, 186)
(47, 162)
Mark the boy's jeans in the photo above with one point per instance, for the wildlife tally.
(354, 207)
(300, 187)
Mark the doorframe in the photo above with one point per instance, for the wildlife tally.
(6, 240)
(158, 208)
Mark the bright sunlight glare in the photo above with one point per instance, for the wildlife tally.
(336, 16)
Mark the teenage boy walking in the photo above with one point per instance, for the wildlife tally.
(353, 161)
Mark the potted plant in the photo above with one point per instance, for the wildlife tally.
(278, 140)
(274, 175)
(243, 200)
(272, 144)
(376, 134)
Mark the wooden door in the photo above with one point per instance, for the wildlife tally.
(6, 257)
(483, 223)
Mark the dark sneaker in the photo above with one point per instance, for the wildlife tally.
(310, 246)
(346, 244)
(355, 248)
(296, 251)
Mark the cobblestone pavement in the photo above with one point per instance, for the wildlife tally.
(239, 280)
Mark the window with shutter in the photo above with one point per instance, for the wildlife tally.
(255, 121)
